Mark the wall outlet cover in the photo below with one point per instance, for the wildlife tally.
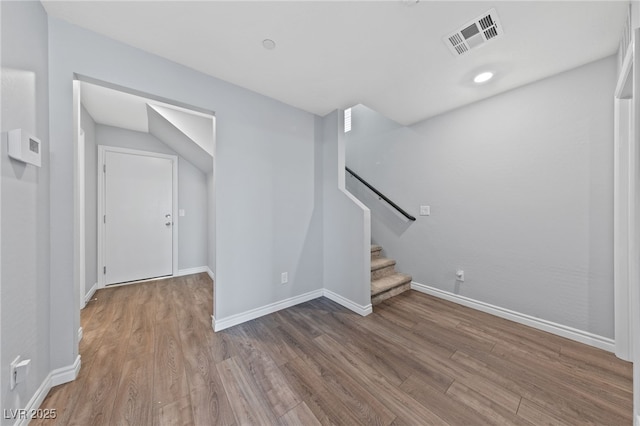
(12, 370)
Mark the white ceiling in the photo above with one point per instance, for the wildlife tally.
(115, 108)
(388, 55)
(119, 109)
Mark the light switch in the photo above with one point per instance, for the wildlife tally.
(181, 212)
(425, 210)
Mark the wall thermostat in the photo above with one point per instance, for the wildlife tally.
(25, 147)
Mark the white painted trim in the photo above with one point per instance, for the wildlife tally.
(625, 70)
(634, 226)
(80, 334)
(191, 271)
(236, 319)
(211, 274)
(358, 309)
(78, 199)
(66, 374)
(81, 211)
(623, 133)
(36, 400)
(92, 291)
(538, 323)
(623, 187)
(101, 209)
(287, 303)
(56, 377)
(102, 150)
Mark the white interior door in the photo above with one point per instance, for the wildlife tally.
(138, 222)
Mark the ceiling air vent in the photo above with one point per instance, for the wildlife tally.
(475, 33)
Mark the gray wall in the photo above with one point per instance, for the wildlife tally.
(520, 189)
(267, 217)
(347, 223)
(91, 199)
(24, 189)
(192, 192)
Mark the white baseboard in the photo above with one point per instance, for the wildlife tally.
(36, 400)
(221, 324)
(54, 378)
(558, 329)
(91, 292)
(80, 334)
(211, 274)
(359, 309)
(191, 271)
(66, 374)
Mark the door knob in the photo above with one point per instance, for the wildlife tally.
(168, 223)
(168, 216)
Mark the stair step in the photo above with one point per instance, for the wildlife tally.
(381, 262)
(382, 267)
(387, 283)
(389, 286)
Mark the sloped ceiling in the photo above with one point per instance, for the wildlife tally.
(388, 55)
(165, 130)
(188, 133)
(197, 128)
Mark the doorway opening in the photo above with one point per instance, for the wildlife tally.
(125, 124)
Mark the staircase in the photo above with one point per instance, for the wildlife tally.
(385, 281)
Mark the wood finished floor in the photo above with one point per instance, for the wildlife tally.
(150, 357)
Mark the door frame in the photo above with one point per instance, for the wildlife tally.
(634, 247)
(627, 213)
(623, 207)
(82, 255)
(102, 151)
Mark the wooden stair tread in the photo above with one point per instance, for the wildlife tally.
(381, 262)
(375, 247)
(389, 282)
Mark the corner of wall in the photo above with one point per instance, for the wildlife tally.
(25, 192)
(347, 226)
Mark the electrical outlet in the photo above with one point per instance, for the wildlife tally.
(460, 275)
(19, 370)
(22, 370)
(425, 210)
(284, 278)
(12, 370)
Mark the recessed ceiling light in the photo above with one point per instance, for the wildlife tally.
(483, 77)
(268, 44)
